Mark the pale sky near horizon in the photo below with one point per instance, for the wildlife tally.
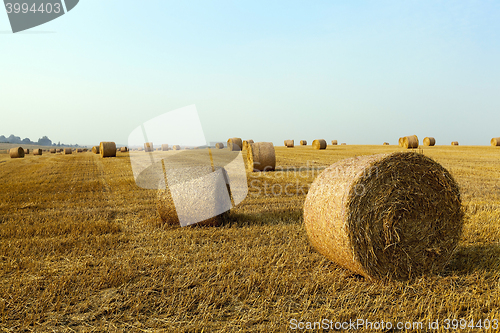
(361, 72)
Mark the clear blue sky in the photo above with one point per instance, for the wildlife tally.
(359, 72)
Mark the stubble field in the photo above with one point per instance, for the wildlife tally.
(81, 249)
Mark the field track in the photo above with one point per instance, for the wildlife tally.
(81, 249)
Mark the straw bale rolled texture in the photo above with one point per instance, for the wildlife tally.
(246, 143)
(37, 151)
(261, 157)
(164, 147)
(303, 142)
(53, 151)
(123, 149)
(454, 143)
(219, 145)
(429, 141)
(17, 152)
(176, 147)
(148, 147)
(289, 143)
(319, 144)
(95, 149)
(26, 151)
(410, 142)
(495, 142)
(68, 151)
(165, 202)
(385, 216)
(234, 144)
(107, 149)
(334, 142)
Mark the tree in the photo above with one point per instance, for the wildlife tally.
(45, 141)
(3, 138)
(14, 139)
(26, 141)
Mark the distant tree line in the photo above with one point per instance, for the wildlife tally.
(43, 141)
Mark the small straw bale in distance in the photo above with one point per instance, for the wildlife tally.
(79, 150)
(386, 143)
(234, 144)
(429, 141)
(176, 147)
(303, 142)
(219, 145)
(495, 142)
(334, 142)
(164, 147)
(392, 216)
(26, 151)
(148, 147)
(95, 149)
(319, 144)
(53, 151)
(166, 206)
(107, 149)
(454, 143)
(17, 152)
(343, 144)
(261, 157)
(37, 151)
(289, 143)
(246, 143)
(123, 149)
(410, 142)
(59, 150)
(68, 151)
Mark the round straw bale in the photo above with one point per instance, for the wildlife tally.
(454, 143)
(429, 141)
(59, 150)
(386, 143)
(37, 151)
(165, 202)
(17, 152)
(148, 147)
(385, 216)
(246, 143)
(400, 142)
(107, 149)
(176, 147)
(164, 147)
(343, 144)
(289, 143)
(261, 157)
(334, 142)
(319, 144)
(219, 145)
(95, 149)
(79, 150)
(26, 151)
(68, 151)
(303, 142)
(495, 142)
(123, 149)
(234, 144)
(53, 151)
(410, 142)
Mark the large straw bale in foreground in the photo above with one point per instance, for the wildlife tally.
(68, 151)
(261, 157)
(37, 151)
(17, 152)
(391, 215)
(410, 142)
(454, 143)
(234, 144)
(334, 142)
(289, 143)
(495, 142)
(303, 142)
(319, 144)
(219, 145)
(429, 141)
(107, 149)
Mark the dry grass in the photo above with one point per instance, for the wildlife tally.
(80, 250)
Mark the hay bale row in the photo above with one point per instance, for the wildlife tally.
(37, 152)
(429, 141)
(319, 144)
(235, 144)
(17, 152)
(334, 142)
(495, 142)
(289, 143)
(107, 149)
(303, 142)
(385, 216)
(219, 145)
(261, 157)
